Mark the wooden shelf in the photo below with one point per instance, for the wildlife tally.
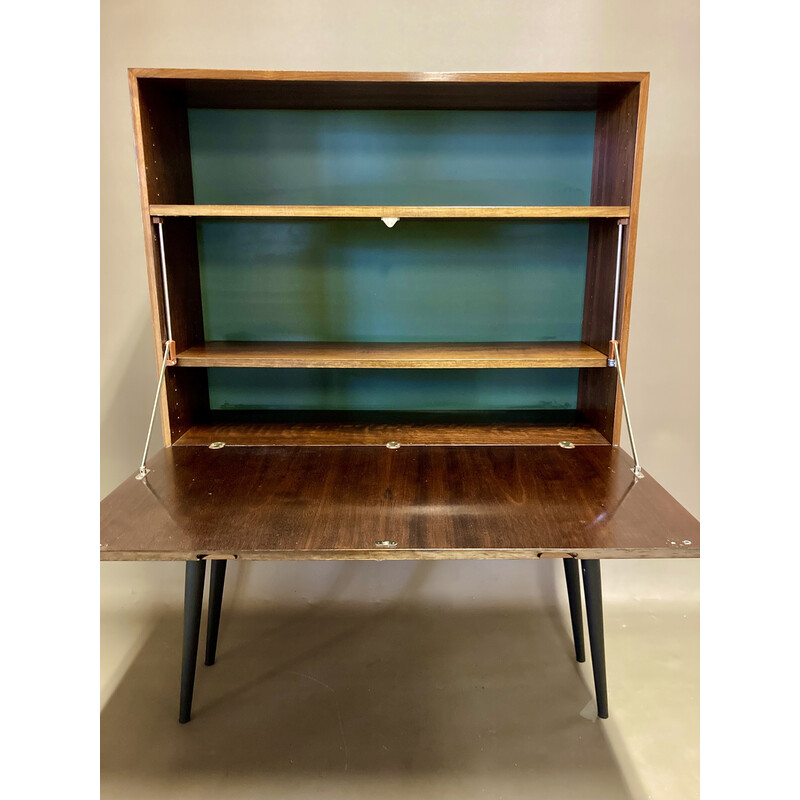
(300, 434)
(401, 212)
(257, 503)
(374, 355)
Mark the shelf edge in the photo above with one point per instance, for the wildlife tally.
(291, 355)
(401, 212)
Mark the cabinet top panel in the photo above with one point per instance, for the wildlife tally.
(455, 90)
(463, 77)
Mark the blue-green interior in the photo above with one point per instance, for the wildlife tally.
(281, 157)
(393, 389)
(423, 280)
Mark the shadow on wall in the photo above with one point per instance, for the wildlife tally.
(485, 582)
(126, 411)
(344, 703)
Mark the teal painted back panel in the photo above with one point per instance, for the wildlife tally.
(391, 157)
(423, 280)
(393, 389)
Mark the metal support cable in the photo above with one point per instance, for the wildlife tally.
(164, 281)
(142, 469)
(616, 283)
(168, 318)
(637, 469)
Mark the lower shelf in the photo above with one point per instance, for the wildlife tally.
(352, 435)
(376, 429)
(260, 503)
(405, 355)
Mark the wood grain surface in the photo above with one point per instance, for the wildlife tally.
(393, 90)
(616, 178)
(384, 77)
(401, 212)
(435, 503)
(161, 133)
(406, 355)
(355, 434)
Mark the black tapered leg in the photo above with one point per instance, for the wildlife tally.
(192, 608)
(593, 591)
(573, 573)
(215, 588)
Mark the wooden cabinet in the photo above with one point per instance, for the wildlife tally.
(387, 304)
(510, 192)
(483, 317)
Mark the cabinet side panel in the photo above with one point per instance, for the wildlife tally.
(187, 393)
(165, 136)
(626, 291)
(597, 392)
(183, 275)
(615, 179)
(164, 164)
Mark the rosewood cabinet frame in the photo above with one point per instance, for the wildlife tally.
(305, 487)
(160, 101)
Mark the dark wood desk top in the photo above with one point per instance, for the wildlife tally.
(434, 502)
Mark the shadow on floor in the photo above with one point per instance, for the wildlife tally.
(381, 703)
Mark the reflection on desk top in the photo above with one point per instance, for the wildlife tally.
(269, 503)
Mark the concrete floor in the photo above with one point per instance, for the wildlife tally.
(384, 701)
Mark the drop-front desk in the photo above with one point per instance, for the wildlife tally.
(390, 312)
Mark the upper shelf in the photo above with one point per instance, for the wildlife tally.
(400, 212)
(404, 355)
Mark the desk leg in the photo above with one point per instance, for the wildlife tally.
(593, 591)
(192, 609)
(215, 588)
(573, 573)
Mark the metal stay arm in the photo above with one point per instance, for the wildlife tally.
(615, 361)
(169, 347)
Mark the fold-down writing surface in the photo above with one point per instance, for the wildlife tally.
(435, 502)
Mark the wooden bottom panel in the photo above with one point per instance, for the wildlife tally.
(374, 503)
(359, 435)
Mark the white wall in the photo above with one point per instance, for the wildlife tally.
(411, 35)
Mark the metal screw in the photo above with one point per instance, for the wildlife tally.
(386, 543)
(216, 445)
(567, 445)
(393, 445)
